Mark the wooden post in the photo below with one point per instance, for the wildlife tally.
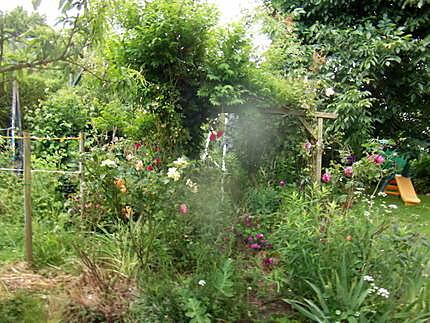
(81, 170)
(318, 159)
(28, 231)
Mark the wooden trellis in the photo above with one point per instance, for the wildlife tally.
(300, 115)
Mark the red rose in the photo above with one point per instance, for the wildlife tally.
(212, 136)
(137, 145)
(219, 134)
(149, 168)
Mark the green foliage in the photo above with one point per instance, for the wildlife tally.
(22, 307)
(379, 51)
(420, 171)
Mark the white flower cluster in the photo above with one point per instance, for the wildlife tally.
(368, 278)
(202, 282)
(181, 162)
(192, 186)
(383, 292)
(174, 172)
(108, 163)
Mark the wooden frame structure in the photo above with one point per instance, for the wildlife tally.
(317, 135)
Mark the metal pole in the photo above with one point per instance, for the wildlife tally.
(28, 232)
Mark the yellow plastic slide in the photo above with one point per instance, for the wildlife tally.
(407, 191)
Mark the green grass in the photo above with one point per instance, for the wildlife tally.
(417, 216)
(11, 241)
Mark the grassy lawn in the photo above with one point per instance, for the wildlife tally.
(416, 215)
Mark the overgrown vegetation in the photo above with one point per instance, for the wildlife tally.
(199, 204)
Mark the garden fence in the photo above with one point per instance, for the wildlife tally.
(27, 171)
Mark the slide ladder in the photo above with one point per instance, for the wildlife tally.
(402, 186)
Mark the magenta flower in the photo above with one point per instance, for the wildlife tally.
(137, 145)
(379, 160)
(347, 171)
(250, 239)
(268, 261)
(282, 183)
(307, 145)
(183, 208)
(326, 177)
(259, 236)
(255, 246)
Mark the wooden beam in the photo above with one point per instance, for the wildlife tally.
(28, 231)
(308, 127)
(320, 149)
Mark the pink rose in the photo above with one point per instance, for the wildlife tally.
(326, 177)
(183, 208)
(347, 171)
(379, 160)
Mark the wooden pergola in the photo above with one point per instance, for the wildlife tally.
(318, 136)
(300, 115)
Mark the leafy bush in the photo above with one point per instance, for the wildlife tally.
(25, 308)
(420, 171)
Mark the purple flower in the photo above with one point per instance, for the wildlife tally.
(347, 171)
(326, 177)
(250, 239)
(255, 246)
(259, 236)
(268, 261)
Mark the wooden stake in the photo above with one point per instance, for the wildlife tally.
(318, 160)
(81, 170)
(28, 231)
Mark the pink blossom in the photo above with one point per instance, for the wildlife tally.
(183, 208)
(212, 136)
(282, 183)
(255, 246)
(307, 145)
(259, 236)
(379, 160)
(347, 171)
(326, 177)
(149, 168)
(250, 239)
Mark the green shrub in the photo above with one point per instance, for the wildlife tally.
(355, 265)
(25, 308)
(420, 171)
